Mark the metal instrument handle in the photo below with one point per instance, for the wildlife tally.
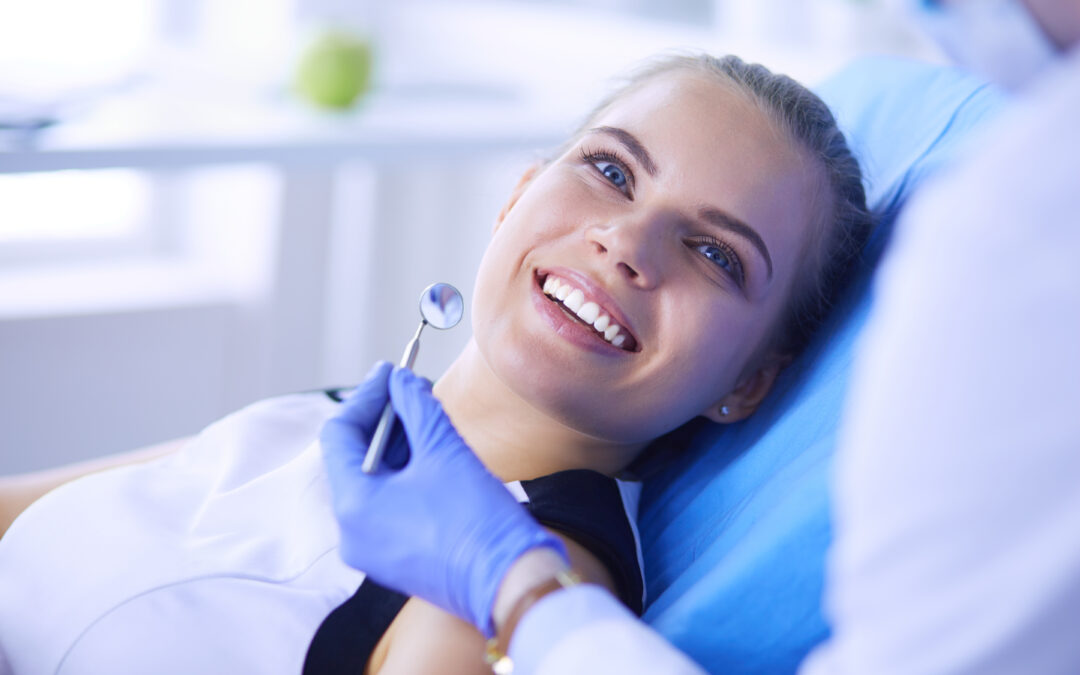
(386, 422)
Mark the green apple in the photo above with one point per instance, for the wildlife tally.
(334, 69)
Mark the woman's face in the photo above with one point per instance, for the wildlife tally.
(680, 216)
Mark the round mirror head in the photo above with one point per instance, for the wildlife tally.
(441, 306)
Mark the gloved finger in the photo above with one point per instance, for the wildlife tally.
(343, 446)
(426, 423)
(345, 437)
(397, 453)
(365, 404)
(397, 449)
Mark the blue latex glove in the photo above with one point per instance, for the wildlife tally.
(442, 528)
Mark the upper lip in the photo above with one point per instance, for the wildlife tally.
(595, 292)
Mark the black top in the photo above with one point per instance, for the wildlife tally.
(584, 505)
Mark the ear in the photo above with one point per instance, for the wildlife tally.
(748, 394)
(518, 190)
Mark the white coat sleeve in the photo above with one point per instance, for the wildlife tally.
(585, 630)
(957, 486)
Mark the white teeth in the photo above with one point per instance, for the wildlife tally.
(575, 300)
(588, 312)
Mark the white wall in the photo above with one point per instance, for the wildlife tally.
(79, 386)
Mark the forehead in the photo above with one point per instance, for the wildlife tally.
(714, 146)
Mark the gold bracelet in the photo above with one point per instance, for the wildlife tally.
(495, 654)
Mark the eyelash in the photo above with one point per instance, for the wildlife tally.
(594, 156)
(736, 268)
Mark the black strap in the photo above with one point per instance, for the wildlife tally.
(582, 504)
(347, 637)
(588, 507)
(338, 394)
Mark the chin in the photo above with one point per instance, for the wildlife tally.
(542, 373)
(570, 401)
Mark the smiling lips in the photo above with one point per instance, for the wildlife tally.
(588, 312)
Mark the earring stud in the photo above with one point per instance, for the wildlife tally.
(724, 410)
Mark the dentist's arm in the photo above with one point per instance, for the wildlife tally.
(577, 630)
(484, 558)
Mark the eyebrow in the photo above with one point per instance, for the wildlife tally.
(632, 144)
(728, 222)
(709, 214)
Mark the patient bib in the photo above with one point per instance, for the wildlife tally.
(219, 559)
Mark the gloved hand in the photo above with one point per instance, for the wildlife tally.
(442, 528)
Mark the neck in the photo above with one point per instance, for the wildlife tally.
(514, 439)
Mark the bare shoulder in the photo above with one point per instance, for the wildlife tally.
(425, 639)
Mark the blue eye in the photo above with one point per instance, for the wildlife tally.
(715, 254)
(721, 255)
(612, 168)
(613, 173)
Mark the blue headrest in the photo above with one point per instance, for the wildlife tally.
(735, 529)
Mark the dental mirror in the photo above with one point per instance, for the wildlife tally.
(441, 306)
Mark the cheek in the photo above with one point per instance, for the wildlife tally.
(547, 215)
(501, 292)
(702, 374)
(710, 342)
(491, 284)
(556, 203)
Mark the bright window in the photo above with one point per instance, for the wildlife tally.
(49, 48)
(73, 205)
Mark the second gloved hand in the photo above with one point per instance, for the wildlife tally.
(442, 528)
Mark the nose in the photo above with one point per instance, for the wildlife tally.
(633, 246)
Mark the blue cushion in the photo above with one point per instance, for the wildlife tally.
(735, 529)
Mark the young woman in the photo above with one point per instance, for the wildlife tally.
(667, 264)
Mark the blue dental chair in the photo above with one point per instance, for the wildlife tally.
(735, 529)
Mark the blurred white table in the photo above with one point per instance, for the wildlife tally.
(176, 129)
